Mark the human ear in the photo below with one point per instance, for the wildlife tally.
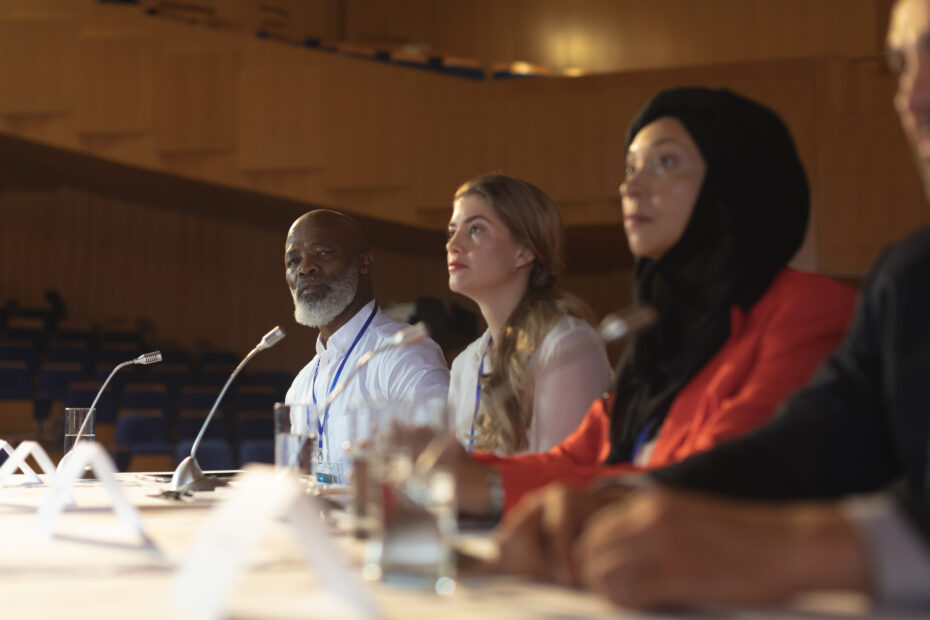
(365, 261)
(525, 256)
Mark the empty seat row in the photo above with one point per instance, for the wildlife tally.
(212, 454)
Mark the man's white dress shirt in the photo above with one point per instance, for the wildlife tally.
(398, 381)
(570, 371)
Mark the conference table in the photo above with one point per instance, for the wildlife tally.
(91, 567)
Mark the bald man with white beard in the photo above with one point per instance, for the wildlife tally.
(328, 268)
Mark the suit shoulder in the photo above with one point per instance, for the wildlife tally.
(908, 257)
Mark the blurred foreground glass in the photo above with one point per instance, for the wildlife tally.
(74, 417)
(411, 490)
(294, 424)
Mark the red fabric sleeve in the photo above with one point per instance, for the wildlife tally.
(744, 385)
(576, 460)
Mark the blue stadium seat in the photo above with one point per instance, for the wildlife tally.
(171, 356)
(70, 351)
(15, 380)
(256, 451)
(173, 376)
(55, 377)
(212, 454)
(20, 351)
(215, 375)
(198, 397)
(255, 398)
(113, 353)
(75, 331)
(190, 421)
(148, 395)
(27, 328)
(17, 406)
(135, 426)
(255, 425)
(82, 394)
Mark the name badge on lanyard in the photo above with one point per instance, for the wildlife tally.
(474, 418)
(324, 468)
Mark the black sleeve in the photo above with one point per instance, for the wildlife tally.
(828, 439)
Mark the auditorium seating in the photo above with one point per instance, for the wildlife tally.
(212, 453)
(190, 422)
(256, 451)
(288, 22)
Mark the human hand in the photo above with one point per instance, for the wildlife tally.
(664, 549)
(537, 537)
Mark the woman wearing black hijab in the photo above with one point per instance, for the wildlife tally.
(715, 204)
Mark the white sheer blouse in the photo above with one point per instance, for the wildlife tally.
(570, 370)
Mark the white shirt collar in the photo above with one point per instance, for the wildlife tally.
(342, 338)
(483, 344)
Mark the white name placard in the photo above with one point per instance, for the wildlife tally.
(88, 455)
(16, 462)
(205, 580)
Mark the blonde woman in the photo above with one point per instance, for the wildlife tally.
(527, 382)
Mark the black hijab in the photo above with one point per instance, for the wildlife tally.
(748, 221)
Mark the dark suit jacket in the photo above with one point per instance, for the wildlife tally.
(863, 421)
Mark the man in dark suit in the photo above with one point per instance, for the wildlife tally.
(844, 468)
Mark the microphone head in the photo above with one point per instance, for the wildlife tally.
(415, 333)
(617, 326)
(148, 358)
(272, 338)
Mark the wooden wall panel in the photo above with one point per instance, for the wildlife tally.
(622, 35)
(394, 143)
(868, 189)
(552, 136)
(195, 100)
(281, 111)
(114, 83)
(459, 136)
(37, 63)
(192, 279)
(371, 110)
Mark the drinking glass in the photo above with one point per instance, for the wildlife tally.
(293, 425)
(412, 543)
(74, 418)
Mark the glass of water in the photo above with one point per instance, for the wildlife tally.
(74, 418)
(294, 439)
(412, 543)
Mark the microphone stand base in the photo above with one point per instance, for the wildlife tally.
(188, 477)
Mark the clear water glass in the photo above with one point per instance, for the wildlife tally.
(74, 418)
(294, 439)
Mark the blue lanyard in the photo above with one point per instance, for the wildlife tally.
(321, 425)
(474, 418)
(642, 439)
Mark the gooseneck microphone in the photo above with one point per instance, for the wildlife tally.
(144, 359)
(189, 476)
(618, 325)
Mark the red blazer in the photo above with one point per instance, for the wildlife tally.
(771, 352)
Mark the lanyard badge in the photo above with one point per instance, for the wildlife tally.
(321, 424)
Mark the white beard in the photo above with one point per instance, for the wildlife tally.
(317, 312)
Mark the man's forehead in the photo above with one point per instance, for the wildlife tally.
(318, 231)
(910, 21)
